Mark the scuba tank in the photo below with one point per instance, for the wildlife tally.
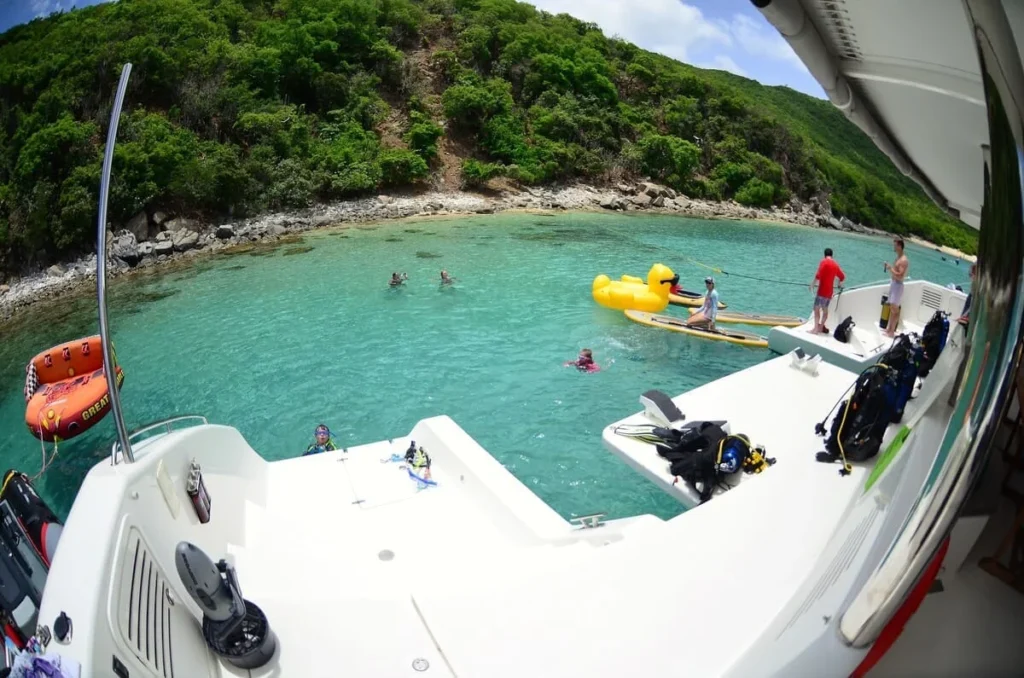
(860, 423)
(903, 361)
(706, 455)
(933, 340)
(883, 320)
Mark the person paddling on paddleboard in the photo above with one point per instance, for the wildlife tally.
(705, 317)
(828, 271)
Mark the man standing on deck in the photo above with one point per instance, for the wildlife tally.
(828, 271)
(898, 270)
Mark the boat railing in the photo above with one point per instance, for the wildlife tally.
(861, 286)
(109, 367)
(166, 424)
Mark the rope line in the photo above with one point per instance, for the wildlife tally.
(46, 459)
(740, 275)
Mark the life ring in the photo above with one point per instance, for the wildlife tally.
(70, 394)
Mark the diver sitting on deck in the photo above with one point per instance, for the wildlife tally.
(418, 459)
(323, 443)
(705, 317)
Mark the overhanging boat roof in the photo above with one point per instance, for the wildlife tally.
(907, 73)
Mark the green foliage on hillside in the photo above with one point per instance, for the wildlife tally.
(240, 106)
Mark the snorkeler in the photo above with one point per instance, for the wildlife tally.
(418, 459)
(323, 443)
(584, 362)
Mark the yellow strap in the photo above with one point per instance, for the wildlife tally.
(7, 479)
(847, 466)
(710, 268)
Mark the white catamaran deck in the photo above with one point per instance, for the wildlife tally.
(360, 572)
(921, 299)
(866, 345)
(775, 405)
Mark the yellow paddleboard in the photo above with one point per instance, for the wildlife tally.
(741, 318)
(691, 299)
(674, 324)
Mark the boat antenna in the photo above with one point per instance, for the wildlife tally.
(109, 366)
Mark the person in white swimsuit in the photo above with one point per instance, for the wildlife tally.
(898, 272)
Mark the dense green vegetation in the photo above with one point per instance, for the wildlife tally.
(239, 106)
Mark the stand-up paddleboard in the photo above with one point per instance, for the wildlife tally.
(673, 324)
(765, 319)
(691, 299)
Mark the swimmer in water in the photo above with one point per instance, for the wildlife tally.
(445, 278)
(323, 443)
(585, 360)
(397, 279)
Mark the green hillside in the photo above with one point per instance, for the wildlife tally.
(241, 106)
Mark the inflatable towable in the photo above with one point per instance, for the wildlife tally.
(633, 294)
(66, 390)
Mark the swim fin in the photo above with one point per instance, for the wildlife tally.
(648, 433)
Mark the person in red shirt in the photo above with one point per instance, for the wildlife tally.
(828, 271)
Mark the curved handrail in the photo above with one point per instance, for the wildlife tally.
(861, 286)
(163, 423)
(109, 364)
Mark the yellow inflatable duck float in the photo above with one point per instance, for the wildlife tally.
(632, 293)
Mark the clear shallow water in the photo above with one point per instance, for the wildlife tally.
(277, 343)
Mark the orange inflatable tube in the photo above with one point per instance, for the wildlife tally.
(68, 393)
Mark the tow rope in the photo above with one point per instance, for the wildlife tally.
(741, 275)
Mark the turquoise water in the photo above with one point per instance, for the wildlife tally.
(277, 343)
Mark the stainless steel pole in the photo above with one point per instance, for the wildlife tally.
(109, 367)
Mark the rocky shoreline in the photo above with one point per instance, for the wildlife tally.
(156, 239)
